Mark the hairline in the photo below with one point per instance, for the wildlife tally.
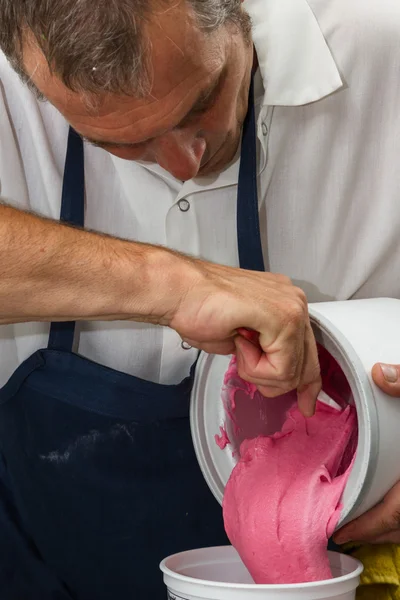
(91, 96)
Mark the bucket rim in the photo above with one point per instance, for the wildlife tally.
(354, 574)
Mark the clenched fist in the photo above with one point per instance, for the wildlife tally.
(220, 302)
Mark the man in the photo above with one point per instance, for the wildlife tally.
(98, 466)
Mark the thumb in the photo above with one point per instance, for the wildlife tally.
(377, 522)
(387, 377)
(367, 527)
(248, 355)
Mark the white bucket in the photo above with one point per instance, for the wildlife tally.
(357, 333)
(219, 574)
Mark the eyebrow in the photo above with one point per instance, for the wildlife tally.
(202, 102)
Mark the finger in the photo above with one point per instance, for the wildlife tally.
(281, 386)
(250, 335)
(286, 355)
(381, 520)
(271, 391)
(367, 527)
(311, 382)
(253, 365)
(388, 538)
(282, 358)
(307, 397)
(387, 377)
(248, 356)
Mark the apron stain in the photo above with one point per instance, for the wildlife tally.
(86, 442)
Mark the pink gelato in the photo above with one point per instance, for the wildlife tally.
(222, 440)
(282, 501)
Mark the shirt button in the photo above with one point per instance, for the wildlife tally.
(264, 129)
(184, 205)
(185, 346)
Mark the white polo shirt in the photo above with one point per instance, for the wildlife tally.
(328, 98)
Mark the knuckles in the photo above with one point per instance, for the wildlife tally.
(283, 279)
(293, 313)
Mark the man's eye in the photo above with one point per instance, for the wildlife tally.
(205, 104)
(194, 114)
(203, 107)
(199, 110)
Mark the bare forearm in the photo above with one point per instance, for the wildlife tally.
(50, 271)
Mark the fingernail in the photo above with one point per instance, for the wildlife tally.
(390, 373)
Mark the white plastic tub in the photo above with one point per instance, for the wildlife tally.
(219, 574)
(357, 333)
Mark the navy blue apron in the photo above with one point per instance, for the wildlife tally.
(98, 476)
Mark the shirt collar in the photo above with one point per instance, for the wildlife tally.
(295, 62)
(295, 67)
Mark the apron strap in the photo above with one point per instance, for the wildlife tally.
(72, 211)
(248, 225)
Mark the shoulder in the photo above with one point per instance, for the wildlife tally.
(363, 37)
(369, 25)
(8, 77)
(12, 178)
(32, 145)
(358, 14)
(5, 67)
(18, 101)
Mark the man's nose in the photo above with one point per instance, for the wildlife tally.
(180, 153)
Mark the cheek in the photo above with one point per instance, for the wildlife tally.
(222, 117)
(230, 108)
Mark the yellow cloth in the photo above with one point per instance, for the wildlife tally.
(381, 577)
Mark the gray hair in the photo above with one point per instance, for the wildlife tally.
(98, 45)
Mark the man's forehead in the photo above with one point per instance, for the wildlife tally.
(176, 48)
(134, 121)
(205, 96)
(185, 62)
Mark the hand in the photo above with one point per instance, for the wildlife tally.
(381, 524)
(221, 300)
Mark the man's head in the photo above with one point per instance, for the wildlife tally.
(156, 80)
